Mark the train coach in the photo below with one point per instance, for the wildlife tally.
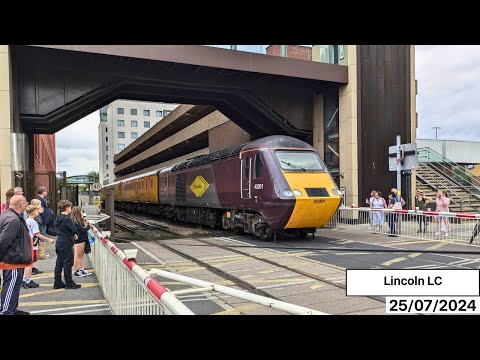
(276, 183)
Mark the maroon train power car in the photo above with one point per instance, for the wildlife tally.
(276, 183)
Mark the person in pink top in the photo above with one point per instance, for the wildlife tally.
(443, 202)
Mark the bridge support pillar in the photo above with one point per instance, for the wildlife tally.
(348, 124)
(6, 174)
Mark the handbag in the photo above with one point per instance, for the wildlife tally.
(51, 229)
(42, 251)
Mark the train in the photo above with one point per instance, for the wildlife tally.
(270, 185)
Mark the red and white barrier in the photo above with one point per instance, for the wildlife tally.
(162, 295)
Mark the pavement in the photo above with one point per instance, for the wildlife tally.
(44, 300)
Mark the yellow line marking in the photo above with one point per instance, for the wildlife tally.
(313, 287)
(65, 302)
(246, 276)
(390, 262)
(436, 246)
(40, 293)
(413, 255)
(271, 271)
(238, 310)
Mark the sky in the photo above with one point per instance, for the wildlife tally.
(448, 80)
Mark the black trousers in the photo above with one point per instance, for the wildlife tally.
(64, 261)
(422, 219)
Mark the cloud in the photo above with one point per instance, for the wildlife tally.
(448, 87)
(77, 146)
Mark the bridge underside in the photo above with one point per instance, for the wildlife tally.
(63, 85)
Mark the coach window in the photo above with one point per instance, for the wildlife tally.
(258, 167)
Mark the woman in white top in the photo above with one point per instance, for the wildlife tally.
(378, 219)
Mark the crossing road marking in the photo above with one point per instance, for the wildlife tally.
(313, 287)
(390, 262)
(66, 308)
(238, 310)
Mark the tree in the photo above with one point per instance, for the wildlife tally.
(95, 175)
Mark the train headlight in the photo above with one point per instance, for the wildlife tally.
(288, 193)
(297, 192)
(334, 191)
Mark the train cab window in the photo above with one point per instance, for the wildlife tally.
(299, 161)
(258, 167)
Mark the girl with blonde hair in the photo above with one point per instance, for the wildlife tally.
(82, 226)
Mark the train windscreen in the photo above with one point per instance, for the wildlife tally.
(299, 161)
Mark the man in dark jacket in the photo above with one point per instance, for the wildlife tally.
(16, 253)
(66, 234)
(47, 212)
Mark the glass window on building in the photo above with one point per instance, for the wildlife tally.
(134, 123)
(121, 134)
(159, 113)
(107, 166)
(121, 146)
(121, 122)
(166, 112)
(134, 135)
(106, 138)
(133, 111)
(106, 148)
(146, 124)
(120, 110)
(146, 112)
(106, 157)
(106, 129)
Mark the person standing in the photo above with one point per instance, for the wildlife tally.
(82, 226)
(378, 219)
(421, 203)
(66, 235)
(46, 216)
(443, 203)
(16, 253)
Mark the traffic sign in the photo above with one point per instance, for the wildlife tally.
(96, 186)
(408, 157)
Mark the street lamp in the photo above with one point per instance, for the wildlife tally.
(436, 131)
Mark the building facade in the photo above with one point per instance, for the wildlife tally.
(121, 123)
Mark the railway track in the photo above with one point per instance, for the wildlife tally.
(227, 276)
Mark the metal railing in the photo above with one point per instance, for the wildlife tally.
(409, 223)
(460, 174)
(128, 288)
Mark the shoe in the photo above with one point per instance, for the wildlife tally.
(86, 273)
(438, 233)
(419, 231)
(30, 285)
(59, 285)
(35, 271)
(446, 234)
(78, 273)
(72, 285)
(20, 312)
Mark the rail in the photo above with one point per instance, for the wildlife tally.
(128, 288)
(462, 227)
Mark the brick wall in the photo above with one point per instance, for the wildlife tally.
(293, 51)
(44, 158)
